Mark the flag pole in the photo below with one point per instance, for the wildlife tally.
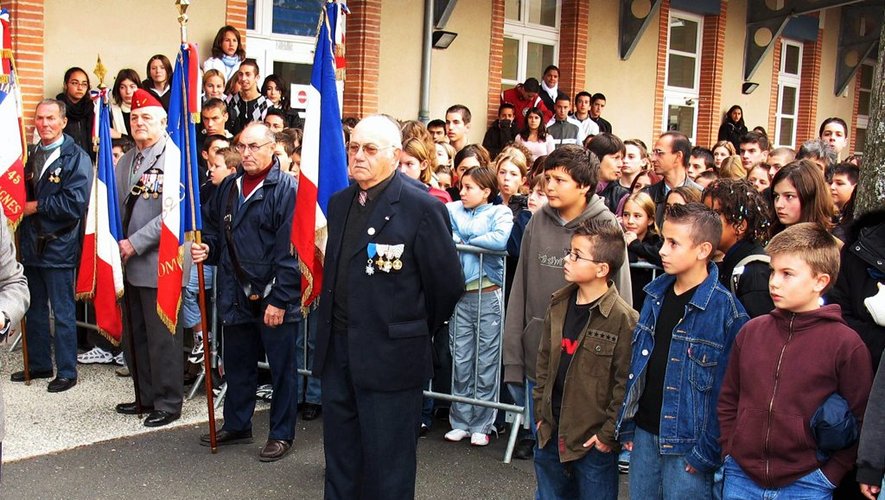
(198, 239)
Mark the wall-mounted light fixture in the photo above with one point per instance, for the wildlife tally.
(749, 87)
(442, 39)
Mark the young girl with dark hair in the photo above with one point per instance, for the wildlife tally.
(125, 85)
(800, 194)
(733, 126)
(534, 135)
(227, 53)
(159, 78)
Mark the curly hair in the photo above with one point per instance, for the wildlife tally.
(738, 202)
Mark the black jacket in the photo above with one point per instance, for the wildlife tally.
(644, 250)
(752, 285)
(497, 136)
(732, 132)
(863, 266)
(80, 120)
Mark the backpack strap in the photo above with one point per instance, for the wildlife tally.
(741, 266)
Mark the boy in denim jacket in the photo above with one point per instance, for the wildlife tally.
(681, 345)
(583, 361)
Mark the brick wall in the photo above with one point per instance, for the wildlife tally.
(710, 92)
(235, 15)
(810, 82)
(362, 49)
(772, 100)
(496, 60)
(574, 36)
(27, 47)
(661, 75)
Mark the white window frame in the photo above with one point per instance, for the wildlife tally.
(524, 33)
(680, 95)
(267, 47)
(785, 79)
(863, 121)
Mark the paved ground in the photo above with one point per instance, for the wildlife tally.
(73, 445)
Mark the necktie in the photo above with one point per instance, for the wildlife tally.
(139, 159)
(364, 196)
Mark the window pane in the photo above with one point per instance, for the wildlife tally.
(512, 8)
(680, 72)
(788, 100)
(250, 14)
(542, 12)
(681, 119)
(866, 76)
(791, 59)
(863, 102)
(683, 35)
(296, 17)
(511, 60)
(293, 72)
(860, 137)
(538, 57)
(785, 132)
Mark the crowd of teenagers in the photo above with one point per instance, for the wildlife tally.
(708, 320)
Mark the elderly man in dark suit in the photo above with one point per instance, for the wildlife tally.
(158, 353)
(391, 277)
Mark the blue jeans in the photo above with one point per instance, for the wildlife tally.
(657, 476)
(593, 476)
(738, 485)
(312, 394)
(56, 287)
(190, 305)
(522, 396)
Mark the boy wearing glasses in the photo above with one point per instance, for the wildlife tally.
(681, 344)
(571, 174)
(583, 361)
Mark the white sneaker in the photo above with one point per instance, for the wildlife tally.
(456, 435)
(96, 355)
(196, 356)
(479, 439)
(118, 359)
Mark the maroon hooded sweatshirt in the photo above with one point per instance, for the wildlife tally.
(782, 368)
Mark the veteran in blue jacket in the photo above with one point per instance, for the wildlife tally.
(247, 231)
(58, 179)
(391, 277)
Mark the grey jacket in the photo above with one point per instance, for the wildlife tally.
(871, 452)
(538, 274)
(145, 221)
(14, 295)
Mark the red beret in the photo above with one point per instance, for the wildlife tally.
(143, 99)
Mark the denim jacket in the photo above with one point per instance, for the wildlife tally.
(486, 226)
(698, 356)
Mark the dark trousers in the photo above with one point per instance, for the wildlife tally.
(242, 352)
(158, 353)
(52, 286)
(370, 437)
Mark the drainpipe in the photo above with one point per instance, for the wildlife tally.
(426, 51)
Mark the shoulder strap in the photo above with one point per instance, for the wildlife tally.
(245, 284)
(742, 264)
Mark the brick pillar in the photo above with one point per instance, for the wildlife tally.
(28, 49)
(712, 57)
(574, 36)
(362, 49)
(852, 137)
(810, 81)
(773, 94)
(235, 15)
(661, 75)
(496, 60)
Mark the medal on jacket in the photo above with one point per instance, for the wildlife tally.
(383, 261)
(370, 268)
(396, 251)
(55, 176)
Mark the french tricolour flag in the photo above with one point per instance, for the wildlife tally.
(323, 159)
(12, 186)
(181, 198)
(100, 277)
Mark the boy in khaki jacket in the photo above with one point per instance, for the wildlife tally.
(583, 362)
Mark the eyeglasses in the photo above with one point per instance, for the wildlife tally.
(574, 257)
(368, 149)
(254, 148)
(76, 83)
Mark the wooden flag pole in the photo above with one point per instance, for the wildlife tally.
(198, 239)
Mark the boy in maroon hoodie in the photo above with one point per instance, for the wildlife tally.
(783, 366)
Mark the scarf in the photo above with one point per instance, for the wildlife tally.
(551, 91)
(230, 61)
(82, 110)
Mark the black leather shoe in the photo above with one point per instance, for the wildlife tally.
(228, 437)
(61, 384)
(274, 450)
(130, 409)
(524, 450)
(20, 375)
(159, 418)
(311, 411)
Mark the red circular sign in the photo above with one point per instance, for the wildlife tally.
(302, 97)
